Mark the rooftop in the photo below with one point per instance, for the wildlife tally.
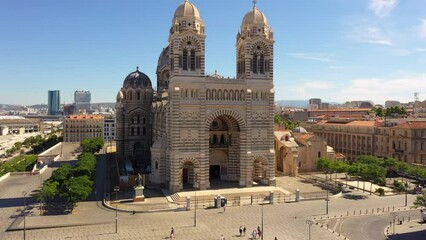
(85, 116)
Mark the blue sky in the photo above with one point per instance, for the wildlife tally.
(336, 50)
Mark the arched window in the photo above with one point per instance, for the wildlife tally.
(254, 63)
(138, 119)
(185, 60)
(192, 60)
(156, 164)
(143, 120)
(143, 131)
(138, 131)
(130, 96)
(208, 94)
(138, 95)
(132, 131)
(222, 139)
(214, 141)
(262, 64)
(319, 154)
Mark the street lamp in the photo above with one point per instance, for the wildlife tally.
(326, 203)
(41, 195)
(406, 190)
(310, 223)
(195, 205)
(394, 215)
(263, 202)
(116, 190)
(25, 207)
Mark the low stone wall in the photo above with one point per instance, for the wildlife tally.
(4, 176)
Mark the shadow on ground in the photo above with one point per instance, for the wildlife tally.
(354, 197)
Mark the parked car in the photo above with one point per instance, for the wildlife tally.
(423, 213)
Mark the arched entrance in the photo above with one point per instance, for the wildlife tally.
(189, 169)
(224, 147)
(260, 166)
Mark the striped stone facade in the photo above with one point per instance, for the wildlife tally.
(211, 128)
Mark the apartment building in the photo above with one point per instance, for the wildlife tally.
(80, 127)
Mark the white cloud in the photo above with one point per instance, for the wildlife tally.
(382, 8)
(313, 57)
(370, 35)
(421, 49)
(334, 67)
(421, 29)
(380, 89)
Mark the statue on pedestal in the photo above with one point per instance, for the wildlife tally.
(138, 189)
(139, 180)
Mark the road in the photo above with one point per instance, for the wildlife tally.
(366, 227)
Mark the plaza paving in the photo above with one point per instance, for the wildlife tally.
(91, 220)
(284, 221)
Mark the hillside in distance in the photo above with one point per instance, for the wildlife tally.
(293, 103)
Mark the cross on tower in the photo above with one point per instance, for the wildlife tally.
(254, 3)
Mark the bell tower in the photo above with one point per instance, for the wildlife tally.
(187, 42)
(255, 47)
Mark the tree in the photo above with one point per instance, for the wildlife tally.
(86, 165)
(375, 174)
(420, 200)
(324, 164)
(378, 111)
(92, 145)
(395, 111)
(88, 146)
(48, 190)
(76, 189)
(62, 173)
(278, 119)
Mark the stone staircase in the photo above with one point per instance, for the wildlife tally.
(175, 197)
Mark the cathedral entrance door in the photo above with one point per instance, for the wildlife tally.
(185, 176)
(214, 172)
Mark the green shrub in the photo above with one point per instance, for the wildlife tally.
(380, 191)
(18, 164)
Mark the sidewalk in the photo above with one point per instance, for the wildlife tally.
(408, 230)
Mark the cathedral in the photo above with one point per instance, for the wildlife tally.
(197, 129)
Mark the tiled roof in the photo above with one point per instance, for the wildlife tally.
(416, 125)
(305, 136)
(341, 110)
(84, 116)
(362, 123)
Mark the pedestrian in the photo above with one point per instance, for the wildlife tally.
(275, 238)
(241, 231)
(259, 232)
(224, 207)
(222, 237)
(244, 230)
(172, 233)
(254, 234)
